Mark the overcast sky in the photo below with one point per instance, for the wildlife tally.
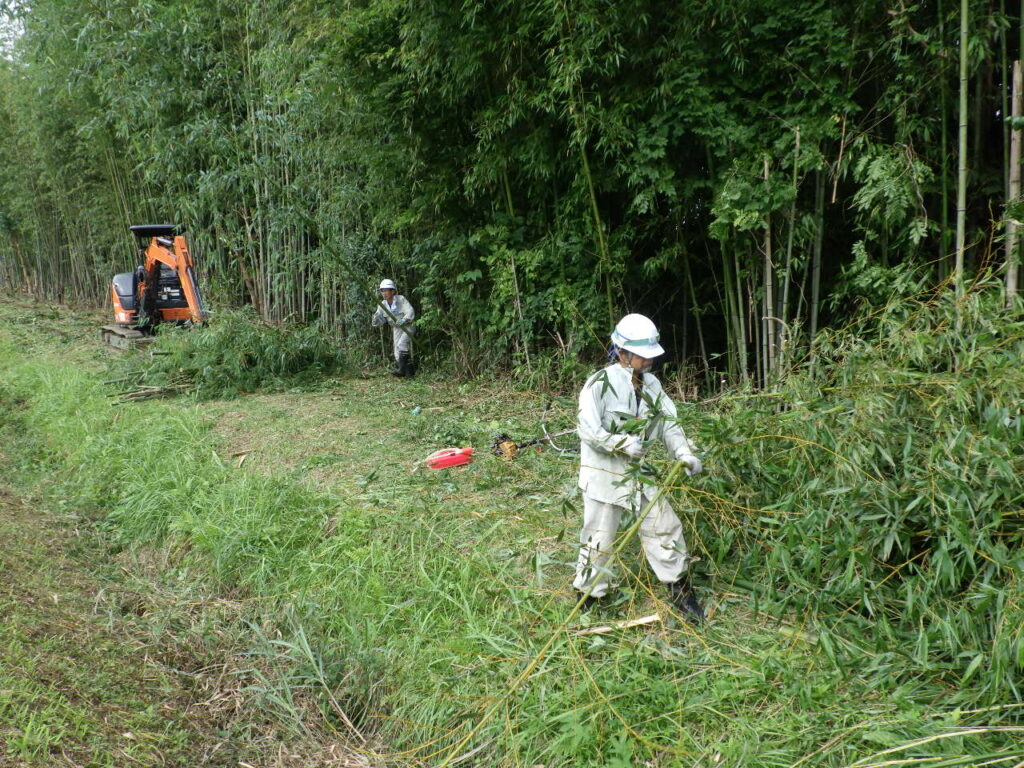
(10, 28)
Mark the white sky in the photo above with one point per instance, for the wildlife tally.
(10, 29)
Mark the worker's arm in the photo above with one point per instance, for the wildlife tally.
(591, 429)
(380, 317)
(664, 425)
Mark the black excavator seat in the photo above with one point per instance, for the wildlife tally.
(126, 287)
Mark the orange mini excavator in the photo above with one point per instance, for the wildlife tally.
(161, 289)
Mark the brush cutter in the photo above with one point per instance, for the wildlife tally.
(507, 448)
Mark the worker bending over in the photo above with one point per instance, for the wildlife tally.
(396, 311)
(622, 408)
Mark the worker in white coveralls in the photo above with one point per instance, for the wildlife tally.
(622, 410)
(396, 311)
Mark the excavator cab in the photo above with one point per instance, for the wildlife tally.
(162, 288)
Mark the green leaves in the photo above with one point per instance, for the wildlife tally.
(235, 353)
(897, 479)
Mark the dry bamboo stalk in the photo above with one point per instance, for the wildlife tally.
(1012, 247)
(654, 617)
(150, 391)
(768, 328)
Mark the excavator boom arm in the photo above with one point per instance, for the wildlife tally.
(174, 254)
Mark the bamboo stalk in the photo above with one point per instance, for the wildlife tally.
(768, 282)
(521, 336)
(1012, 249)
(1004, 73)
(626, 624)
(943, 268)
(961, 190)
(599, 235)
(731, 325)
(743, 332)
(696, 315)
(787, 274)
(819, 211)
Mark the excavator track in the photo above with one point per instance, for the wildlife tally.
(123, 337)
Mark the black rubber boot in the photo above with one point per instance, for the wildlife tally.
(398, 366)
(686, 601)
(405, 367)
(590, 603)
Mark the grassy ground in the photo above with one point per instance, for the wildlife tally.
(73, 688)
(425, 617)
(106, 657)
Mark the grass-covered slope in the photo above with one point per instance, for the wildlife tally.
(430, 613)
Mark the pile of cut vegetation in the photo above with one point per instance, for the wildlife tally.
(232, 353)
(878, 491)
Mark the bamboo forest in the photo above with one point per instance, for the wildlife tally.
(816, 204)
(746, 172)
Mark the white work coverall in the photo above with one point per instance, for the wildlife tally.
(402, 309)
(606, 402)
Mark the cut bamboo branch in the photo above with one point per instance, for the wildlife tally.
(654, 617)
(149, 391)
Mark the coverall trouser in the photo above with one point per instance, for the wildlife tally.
(661, 536)
(400, 340)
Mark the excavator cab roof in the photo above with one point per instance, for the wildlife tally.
(146, 231)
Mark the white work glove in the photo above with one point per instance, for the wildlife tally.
(691, 463)
(633, 447)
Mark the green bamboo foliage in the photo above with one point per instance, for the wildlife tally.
(526, 170)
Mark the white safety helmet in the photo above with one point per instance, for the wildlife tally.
(388, 284)
(637, 334)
